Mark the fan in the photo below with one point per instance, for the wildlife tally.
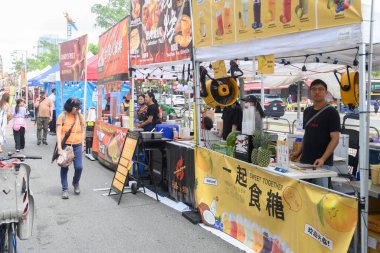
(349, 87)
(220, 92)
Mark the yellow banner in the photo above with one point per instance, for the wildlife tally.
(242, 20)
(266, 64)
(268, 212)
(219, 68)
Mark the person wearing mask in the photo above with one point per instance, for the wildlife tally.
(322, 129)
(151, 113)
(232, 119)
(5, 116)
(251, 100)
(124, 106)
(53, 121)
(71, 117)
(19, 124)
(142, 108)
(44, 116)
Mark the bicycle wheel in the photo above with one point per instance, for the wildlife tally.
(7, 239)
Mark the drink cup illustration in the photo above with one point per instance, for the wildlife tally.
(240, 229)
(301, 9)
(202, 24)
(244, 12)
(219, 21)
(257, 15)
(286, 16)
(271, 14)
(227, 23)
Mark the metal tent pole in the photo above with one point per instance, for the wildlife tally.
(299, 100)
(262, 91)
(363, 152)
(198, 104)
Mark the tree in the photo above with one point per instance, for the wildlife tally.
(49, 57)
(111, 13)
(93, 48)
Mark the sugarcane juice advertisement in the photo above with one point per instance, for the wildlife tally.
(223, 21)
(270, 212)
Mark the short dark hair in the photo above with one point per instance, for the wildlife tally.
(318, 81)
(53, 90)
(71, 103)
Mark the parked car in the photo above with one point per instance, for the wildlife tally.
(274, 106)
(178, 100)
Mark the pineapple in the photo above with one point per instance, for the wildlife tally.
(263, 157)
(256, 144)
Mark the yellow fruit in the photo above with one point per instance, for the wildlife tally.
(338, 215)
(203, 161)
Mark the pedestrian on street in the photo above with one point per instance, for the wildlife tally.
(376, 106)
(19, 124)
(290, 101)
(5, 116)
(44, 116)
(72, 119)
(322, 126)
(53, 121)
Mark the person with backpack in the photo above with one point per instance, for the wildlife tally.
(72, 121)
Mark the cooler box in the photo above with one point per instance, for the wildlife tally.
(167, 130)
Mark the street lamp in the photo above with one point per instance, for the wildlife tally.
(26, 76)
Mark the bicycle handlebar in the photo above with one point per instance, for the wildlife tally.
(19, 156)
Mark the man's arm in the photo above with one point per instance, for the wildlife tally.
(329, 150)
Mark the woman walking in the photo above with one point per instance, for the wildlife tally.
(5, 116)
(19, 124)
(71, 120)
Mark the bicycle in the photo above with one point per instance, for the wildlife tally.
(16, 201)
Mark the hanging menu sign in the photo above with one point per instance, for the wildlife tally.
(160, 31)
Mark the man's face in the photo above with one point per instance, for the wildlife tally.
(318, 93)
(42, 95)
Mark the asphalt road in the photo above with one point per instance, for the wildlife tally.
(92, 223)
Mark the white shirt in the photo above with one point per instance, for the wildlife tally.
(52, 98)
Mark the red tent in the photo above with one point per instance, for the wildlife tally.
(92, 68)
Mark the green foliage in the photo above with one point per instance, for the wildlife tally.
(93, 48)
(48, 58)
(111, 13)
(376, 74)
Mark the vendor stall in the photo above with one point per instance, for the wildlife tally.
(113, 72)
(230, 193)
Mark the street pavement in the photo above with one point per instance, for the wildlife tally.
(92, 223)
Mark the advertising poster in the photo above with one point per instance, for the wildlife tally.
(108, 141)
(269, 212)
(180, 162)
(72, 59)
(255, 19)
(223, 21)
(202, 27)
(161, 31)
(266, 64)
(338, 12)
(113, 61)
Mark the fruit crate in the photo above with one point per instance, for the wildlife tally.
(223, 149)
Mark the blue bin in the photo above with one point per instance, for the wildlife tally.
(167, 130)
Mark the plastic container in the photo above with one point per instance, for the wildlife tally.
(167, 130)
(175, 133)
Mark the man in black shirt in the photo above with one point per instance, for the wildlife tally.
(232, 119)
(322, 126)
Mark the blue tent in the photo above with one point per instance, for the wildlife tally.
(36, 81)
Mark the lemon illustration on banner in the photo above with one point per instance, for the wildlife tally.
(336, 214)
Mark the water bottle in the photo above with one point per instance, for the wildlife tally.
(175, 134)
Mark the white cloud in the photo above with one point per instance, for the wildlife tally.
(22, 22)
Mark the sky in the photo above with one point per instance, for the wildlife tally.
(22, 22)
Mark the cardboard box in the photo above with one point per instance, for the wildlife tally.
(374, 223)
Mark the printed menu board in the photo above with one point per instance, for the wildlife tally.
(241, 20)
(161, 31)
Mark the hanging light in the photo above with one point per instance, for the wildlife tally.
(335, 61)
(316, 59)
(304, 66)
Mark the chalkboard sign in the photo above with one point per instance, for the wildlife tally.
(125, 164)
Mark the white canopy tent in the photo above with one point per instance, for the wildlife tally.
(298, 45)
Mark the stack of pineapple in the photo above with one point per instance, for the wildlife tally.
(261, 153)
